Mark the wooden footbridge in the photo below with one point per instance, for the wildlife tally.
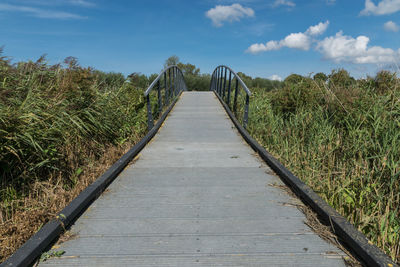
(202, 192)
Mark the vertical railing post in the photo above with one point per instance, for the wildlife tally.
(229, 89)
(211, 82)
(178, 77)
(236, 95)
(165, 88)
(149, 113)
(170, 85)
(174, 79)
(220, 87)
(217, 81)
(223, 88)
(246, 111)
(181, 81)
(159, 98)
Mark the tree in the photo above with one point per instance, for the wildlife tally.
(189, 69)
(138, 80)
(340, 78)
(293, 79)
(171, 61)
(152, 77)
(320, 76)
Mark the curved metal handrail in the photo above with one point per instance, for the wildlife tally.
(218, 84)
(160, 76)
(174, 84)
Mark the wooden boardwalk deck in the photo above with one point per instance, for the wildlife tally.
(197, 195)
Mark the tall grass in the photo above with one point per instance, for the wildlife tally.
(56, 123)
(341, 137)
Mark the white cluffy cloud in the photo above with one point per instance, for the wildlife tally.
(338, 48)
(342, 48)
(275, 77)
(390, 26)
(318, 29)
(298, 40)
(231, 13)
(384, 7)
(39, 12)
(283, 3)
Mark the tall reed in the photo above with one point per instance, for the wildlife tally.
(341, 137)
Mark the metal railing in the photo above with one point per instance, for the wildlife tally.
(172, 81)
(218, 84)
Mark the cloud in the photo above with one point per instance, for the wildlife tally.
(275, 77)
(231, 13)
(338, 48)
(330, 2)
(390, 26)
(384, 7)
(40, 13)
(298, 40)
(342, 48)
(318, 29)
(283, 3)
(81, 3)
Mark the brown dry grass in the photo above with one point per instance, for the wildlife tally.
(320, 228)
(47, 199)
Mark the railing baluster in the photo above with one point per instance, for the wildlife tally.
(217, 81)
(223, 88)
(176, 82)
(236, 95)
(149, 113)
(159, 98)
(246, 111)
(165, 89)
(211, 82)
(220, 87)
(170, 85)
(174, 72)
(229, 89)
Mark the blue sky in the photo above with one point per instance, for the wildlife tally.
(261, 38)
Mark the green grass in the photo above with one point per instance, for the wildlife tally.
(56, 121)
(52, 117)
(344, 142)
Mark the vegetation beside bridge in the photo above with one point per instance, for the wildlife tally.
(342, 137)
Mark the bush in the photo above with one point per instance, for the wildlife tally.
(340, 78)
(386, 81)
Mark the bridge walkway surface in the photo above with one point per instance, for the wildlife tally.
(197, 195)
